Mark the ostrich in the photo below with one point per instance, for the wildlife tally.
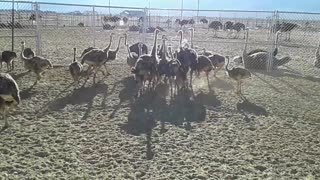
(215, 25)
(95, 59)
(316, 62)
(217, 61)
(135, 47)
(204, 65)
(132, 57)
(205, 52)
(187, 57)
(204, 21)
(36, 64)
(91, 48)
(228, 26)
(8, 57)
(259, 60)
(160, 47)
(145, 67)
(177, 78)
(162, 66)
(9, 95)
(112, 54)
(275, 51)
(238, 74)
(287, 28)
(27, 52)
(238, 27)
(76, 69)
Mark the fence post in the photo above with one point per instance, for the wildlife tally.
(38, 26)
(144, 24)
(270, 60)
(93, 25)
(12, 26)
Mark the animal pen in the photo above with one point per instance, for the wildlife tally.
(277, 121)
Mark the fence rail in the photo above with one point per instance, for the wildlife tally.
(54, 25)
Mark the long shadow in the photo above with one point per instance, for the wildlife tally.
(141, 120)
(152, 106)
(184, 109)
(78, 96)
(248, 107)
(268, 83)
(127, 93)
(44, 108)
(20, 75)
(27, 93)
(287, 73)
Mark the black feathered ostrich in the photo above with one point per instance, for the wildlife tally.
(188, 57)
(8, 57)
(238, 27)
(228, 26)
(215, 25)
(287, 28)
(283, 27)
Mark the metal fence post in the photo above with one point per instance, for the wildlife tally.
(38, 26)
(144, 26)
(270, 60)
(12, 26)
(93, 25)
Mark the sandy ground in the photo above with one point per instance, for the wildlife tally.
(102, 132)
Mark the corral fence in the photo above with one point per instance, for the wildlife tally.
(51, 28)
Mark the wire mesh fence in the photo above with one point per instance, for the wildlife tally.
(21, 21)
(52, 28)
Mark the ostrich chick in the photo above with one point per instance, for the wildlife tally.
(238, 74)
(9, 95)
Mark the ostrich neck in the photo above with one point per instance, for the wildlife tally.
(180, 41)
(140, 51)
(110, 42)
(128, 49)
(164, 50)
(191, 39)
(118, 47)
(22, 47)
(154, 49)
(74, 55)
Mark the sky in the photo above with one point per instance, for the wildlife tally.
(267, 5)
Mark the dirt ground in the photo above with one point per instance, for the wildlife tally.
(102, 132)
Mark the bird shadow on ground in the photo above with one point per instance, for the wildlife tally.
(27, 93)
(288, 72)
(246, 107)
(20, 75)
(152, 107)
(221, 84)
(83, 95)
(141, 120)
(267, 82)
(127, 93)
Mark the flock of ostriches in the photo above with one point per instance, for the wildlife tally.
(162, 64)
